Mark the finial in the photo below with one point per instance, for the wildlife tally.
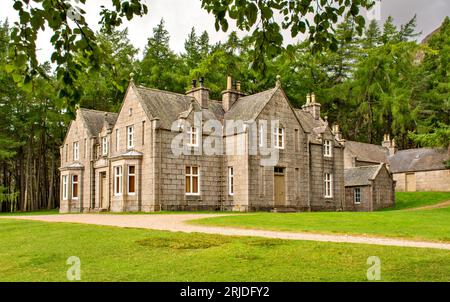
(132, 76)
(278, 82)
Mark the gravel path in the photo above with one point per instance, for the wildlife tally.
(441, 205)
(176, 223)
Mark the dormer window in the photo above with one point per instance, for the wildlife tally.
(130, 137)
(105, 145)
(279, 138)
(76, 151)
(193, 136)
(327, 148)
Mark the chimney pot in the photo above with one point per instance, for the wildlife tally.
(311, 106)
(229, 83)
(194, 83)
(231, 94)
(202, 82)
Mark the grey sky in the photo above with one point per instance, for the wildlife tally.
(182, 15)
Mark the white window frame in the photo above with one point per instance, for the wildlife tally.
(191, 176)
(357, 195)
(231, 181)
(262, 135)
(193, 133)
(327, 148)
(328, 185)
(78, 186)
(130, 137)
(76, 151)
(128, 180)
(105, 146)
(279, 137)
(65, 187)
(118, 176)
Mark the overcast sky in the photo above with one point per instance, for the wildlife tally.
(182, 15)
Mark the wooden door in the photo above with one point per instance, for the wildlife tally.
(280, 196)
(103, 191)
(410, 182)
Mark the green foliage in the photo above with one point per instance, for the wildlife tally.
(44, 248)
(103, 88)
(71, 36)
(161, 68)
(7, 197)
(259, 17)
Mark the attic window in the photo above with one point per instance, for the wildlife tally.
(193, 133)
(327, 148)
(130, 111)
(279, 138)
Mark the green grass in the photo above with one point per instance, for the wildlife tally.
(37, 251)
(408, 200)
(41, 212)
(432, 225)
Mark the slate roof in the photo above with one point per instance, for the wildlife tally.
(361, 176)
(368, 152)
(94, 119)
(248, 108)
(415, 160)
(164, 105)
(169, 106)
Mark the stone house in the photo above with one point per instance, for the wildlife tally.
(369, 183)
(421, 170)
(126, 162)
(136, 161)
(78, 152)
(368, 188)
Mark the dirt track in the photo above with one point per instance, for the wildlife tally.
(177, 223)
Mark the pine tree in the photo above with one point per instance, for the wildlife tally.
(160, 67)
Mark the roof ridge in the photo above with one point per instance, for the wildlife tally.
(164, 91)
(364, 167)
(95, 110)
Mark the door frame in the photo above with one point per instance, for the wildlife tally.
(103, 191)
(281, 172)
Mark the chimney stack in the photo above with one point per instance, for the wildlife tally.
(231, 94)
(337, 133)
(311, 106)
(389, 144)
(200, 94)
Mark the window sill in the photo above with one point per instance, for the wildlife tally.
(193, 197)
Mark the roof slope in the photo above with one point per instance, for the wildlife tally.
(368, 152)
(164, 105)
(247, 108)
(361, 176)
(167, 106)
(414, 160)
(94, 119)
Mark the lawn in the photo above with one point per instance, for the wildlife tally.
(37, 251)
(432, 225)
(408, 200)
